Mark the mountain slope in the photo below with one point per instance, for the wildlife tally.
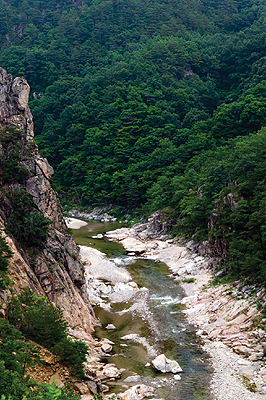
(45, 256)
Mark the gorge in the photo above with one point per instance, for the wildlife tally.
(46, 259)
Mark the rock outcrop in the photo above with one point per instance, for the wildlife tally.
(54, 270)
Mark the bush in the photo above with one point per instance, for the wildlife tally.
(38, 318)
(28, 225)
(13, 388)
(42, 322)
(16, 356)
(5, 255)
(52, 392)
(73, 353)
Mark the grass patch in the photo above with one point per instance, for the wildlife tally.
(190, 280)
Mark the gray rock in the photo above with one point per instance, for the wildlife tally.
(132, 245)
(256, 356)
(163, 364)
(111, 371)
(92, 386)
(242, 350)
(105, 388)
(247, 371)
(55, 378)
(137, 392)
(57, 272)
(81, 387)
(110, 327)
(133, 378)
(191, 245)
(105, 340)
(106, 347)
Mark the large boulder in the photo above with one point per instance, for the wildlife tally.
(109, 371)
(163, 364)
(133, 245)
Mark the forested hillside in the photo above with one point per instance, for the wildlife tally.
(148, 104)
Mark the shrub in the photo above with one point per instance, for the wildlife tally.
(42, 322)
(11, 171)
(16, 356)
(5, 255)
(37, 317)
(28, 225)
(52, 392)
(73, 353)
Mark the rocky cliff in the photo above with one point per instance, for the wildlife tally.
(51, 268)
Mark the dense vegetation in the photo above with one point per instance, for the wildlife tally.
(150, 105)
(25, 222)
(42, 322)
(5, 255)
(16, 357)
(35, 318)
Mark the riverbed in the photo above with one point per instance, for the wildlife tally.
(159, 320)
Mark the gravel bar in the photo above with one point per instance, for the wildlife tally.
(226, 382)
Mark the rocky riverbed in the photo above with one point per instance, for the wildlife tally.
(132, 333)
(96, 214)
(108, 285)
(224, 315)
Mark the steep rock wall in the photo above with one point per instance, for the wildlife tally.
(54, 270)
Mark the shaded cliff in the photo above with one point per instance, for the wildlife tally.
(45, 255)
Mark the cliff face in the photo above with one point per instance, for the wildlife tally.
(54, 269)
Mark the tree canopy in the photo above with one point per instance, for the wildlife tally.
(150, 105)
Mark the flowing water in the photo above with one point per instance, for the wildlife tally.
(164, 326)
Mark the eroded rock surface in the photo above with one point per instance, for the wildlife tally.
(14, 109)
(55, 270)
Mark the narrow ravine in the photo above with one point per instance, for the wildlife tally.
(156, 318)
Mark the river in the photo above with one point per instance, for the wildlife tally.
(166, 331)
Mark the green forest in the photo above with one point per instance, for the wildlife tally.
(153, 105)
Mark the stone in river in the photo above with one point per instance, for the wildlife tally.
(105, 340)
(110, 327)
(133, 245)
(137, 392)
(133, 378)
(163, 364)
(111, 371)
(106, 347)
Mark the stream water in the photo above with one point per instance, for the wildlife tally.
(166, 329)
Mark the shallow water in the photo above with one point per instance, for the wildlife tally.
(83, 237)
(166, 328)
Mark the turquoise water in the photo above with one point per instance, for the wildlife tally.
(168, 331)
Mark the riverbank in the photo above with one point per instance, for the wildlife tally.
(224, 315)
(96, 214)
(144, 330)
(138, 336)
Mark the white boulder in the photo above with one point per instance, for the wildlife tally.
(163, 364)
(110, 327)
